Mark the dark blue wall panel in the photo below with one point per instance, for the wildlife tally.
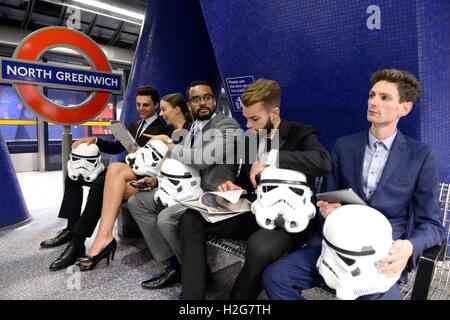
(12, 204)
(321, 52)
(173, 50)
(434, 66)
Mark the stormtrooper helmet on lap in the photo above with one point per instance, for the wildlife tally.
(283, 200)
(355, 239)
(85, 163)
(177, 181)
(146, 161)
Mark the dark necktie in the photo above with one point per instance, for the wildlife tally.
(195, 132)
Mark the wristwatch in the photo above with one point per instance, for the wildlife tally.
(168, 141)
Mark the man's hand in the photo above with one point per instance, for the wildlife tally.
(257, 167)
(326, 208)
(88, 140)
(228, 186)
(397, 259)
(151, 180)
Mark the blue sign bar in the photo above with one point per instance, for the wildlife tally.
(40, 73)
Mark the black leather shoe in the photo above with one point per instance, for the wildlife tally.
(168, 277)
(68, 257)
(62, 237)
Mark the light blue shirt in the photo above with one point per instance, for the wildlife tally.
(375, 157)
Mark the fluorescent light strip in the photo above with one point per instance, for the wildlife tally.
(98, 4)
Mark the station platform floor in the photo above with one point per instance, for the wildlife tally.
(24, 266)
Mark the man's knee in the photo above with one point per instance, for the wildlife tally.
(168, 218)
(190, 220)
(265, 247)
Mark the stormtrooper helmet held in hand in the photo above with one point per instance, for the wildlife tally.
(146, 161)
(283, 200)
(177, 181)
(355, 239)
(85, 163)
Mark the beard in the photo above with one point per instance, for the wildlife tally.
(267, 128)
(203, 117)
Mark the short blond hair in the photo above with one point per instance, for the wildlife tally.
(262, 90)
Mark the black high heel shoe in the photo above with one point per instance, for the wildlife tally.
(87, 263)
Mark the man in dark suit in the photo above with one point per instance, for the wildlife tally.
(393, 173)
(79, 227)
(159, 225)
(299, 149)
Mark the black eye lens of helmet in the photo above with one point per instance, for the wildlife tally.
(75, 158)
(91, 161)
(174, 182)
(297, 190)
(268, 188)
(155, 157)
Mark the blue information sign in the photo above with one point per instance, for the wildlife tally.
(235, 87)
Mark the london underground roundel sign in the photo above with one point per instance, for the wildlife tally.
(26, 73)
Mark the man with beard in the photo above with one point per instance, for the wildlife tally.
(160, 225)
(298, 148)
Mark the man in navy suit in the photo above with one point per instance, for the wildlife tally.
(393, 173)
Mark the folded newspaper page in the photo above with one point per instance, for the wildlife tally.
(217, 206)
(122, 134)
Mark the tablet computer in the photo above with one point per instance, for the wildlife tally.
(346, 196)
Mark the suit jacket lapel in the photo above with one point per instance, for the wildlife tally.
(397, 151)
(358, 158)
(281, 133)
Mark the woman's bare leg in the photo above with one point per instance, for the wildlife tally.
(116, 190)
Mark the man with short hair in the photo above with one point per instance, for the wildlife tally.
(393, 173)
(160, 225)
(80, 226)
(298, 149)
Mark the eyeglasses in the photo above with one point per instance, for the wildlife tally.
(197, 100)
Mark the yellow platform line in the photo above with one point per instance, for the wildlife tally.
(34, 122)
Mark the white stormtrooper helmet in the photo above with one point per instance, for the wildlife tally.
(355, 238)
(177, 181)
(283, 200)
(146, 161)
(85, 163)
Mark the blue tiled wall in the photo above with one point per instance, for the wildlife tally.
(322, 54)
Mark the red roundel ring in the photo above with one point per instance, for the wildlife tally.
(44, 39)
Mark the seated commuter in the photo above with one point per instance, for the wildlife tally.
(160, 225)
(284, 145)
(117, 184)
(396, 175)
(80, 226)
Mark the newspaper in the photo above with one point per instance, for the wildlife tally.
(217, 206)
(123, 135)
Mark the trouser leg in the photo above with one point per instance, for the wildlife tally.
(145, 210)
